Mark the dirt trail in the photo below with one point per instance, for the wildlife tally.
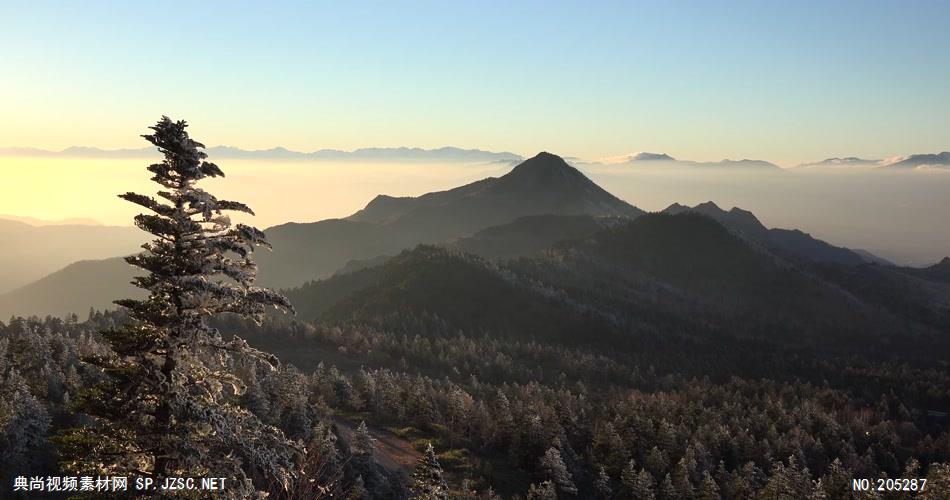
(392, 451)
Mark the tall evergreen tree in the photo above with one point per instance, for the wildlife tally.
(640, 486)
(836, 481)
(362, 448)
(166, 407)
(682, 481)
(708, 489)
(628, 478)
(364, 459)
(554, 469)
(667, 490)
(602, 484)
(428, 482)
(358, 490)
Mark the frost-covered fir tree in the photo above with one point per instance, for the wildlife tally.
(428, 482)
(629, 475)
(364, 461)
(24, 423)
(554, 469)
(602, 484)
(708, 489)
(358, 490)
(667, 490)
(639, 485)
(167, 405)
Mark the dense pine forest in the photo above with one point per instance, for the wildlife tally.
(605, 354)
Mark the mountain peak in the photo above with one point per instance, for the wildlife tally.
(544, 157)
(676, 208)
(544, 166)
(709, 205)
(645, 156)
(941, 159)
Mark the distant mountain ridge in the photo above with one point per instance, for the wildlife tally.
(936, 272)
(850, 161)
(543, 185)
(663, 159)
(541, 204)
(447, 153)
(909, 162)
(791, 242)
(938, 160)
(74, 289)
(33, 221)
(455, 154)
(30, 252)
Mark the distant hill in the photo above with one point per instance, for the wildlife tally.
(940, 270)
(939, 160)
(33, 221)
(645, 156)
(790, 242)
(663, 159)
(847, 162)
(543, 185)
(30, 252)
(73, 289)
(871, 258)
(937, 272)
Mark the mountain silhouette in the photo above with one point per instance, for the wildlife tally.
(936, 272)
(663, 159)
(644, 156)
(657, 273)
(73, 289)
(30, 252)
(542, 206)
(919, 160)
(542, 185)
(788, 242)
(847, 162)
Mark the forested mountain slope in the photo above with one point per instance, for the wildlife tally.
(659, 273)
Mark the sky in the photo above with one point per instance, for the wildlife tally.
(785, 81)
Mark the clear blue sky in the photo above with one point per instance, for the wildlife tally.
(786, 81)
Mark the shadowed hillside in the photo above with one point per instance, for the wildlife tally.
(73, 289)
(30, 252)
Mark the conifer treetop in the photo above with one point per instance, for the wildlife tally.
(165, 407)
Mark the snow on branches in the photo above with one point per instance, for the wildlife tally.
(168, 403)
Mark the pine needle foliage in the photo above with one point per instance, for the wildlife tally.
(166, 405)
